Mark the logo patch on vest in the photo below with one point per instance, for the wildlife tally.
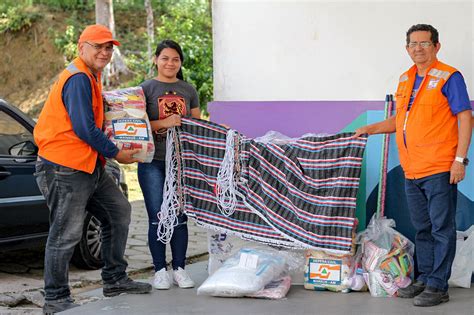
(432, 84)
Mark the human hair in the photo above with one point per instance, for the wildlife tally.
(426, 28)
(168, 43)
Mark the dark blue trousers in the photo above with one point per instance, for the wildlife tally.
(432, 207)
(151, 177)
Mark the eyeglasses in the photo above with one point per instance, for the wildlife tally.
(107, 48)
(422, 44)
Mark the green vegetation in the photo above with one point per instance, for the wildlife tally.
(66, 4)
(187, 22)
(15, 18)
(66, 42)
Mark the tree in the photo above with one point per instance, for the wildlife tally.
(189, 23)
(150, 25)
(104, 15)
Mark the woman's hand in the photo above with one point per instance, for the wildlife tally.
(171, 121)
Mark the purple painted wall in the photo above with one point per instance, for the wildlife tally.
(292, 118)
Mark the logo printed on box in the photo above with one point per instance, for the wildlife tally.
(130, 129)
(325, 271)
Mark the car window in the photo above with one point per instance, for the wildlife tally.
(11, 133)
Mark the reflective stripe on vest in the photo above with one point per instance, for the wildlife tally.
(72, 68)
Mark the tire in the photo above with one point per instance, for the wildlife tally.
(87, 254)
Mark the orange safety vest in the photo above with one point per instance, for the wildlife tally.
(54, 135)
(431, 129)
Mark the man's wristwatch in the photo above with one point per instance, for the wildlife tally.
(463, 161)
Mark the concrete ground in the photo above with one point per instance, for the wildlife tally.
(21, 283)
(298, 301)
(21, 272)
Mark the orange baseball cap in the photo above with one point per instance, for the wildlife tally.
(98, 34)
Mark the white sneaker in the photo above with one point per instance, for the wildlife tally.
(162, 280)
(182, 279)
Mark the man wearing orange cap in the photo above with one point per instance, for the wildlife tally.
(71, 175)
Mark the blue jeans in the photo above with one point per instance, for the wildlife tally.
(68, 192)
(432, 207)
(151, 177)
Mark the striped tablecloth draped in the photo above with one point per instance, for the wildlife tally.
(298, 195)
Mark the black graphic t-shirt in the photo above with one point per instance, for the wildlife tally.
(165, 99)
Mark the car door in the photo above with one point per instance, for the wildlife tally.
(23, 211)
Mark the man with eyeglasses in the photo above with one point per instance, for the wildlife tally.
(70, 173)
(433, 133)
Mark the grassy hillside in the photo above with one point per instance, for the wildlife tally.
(29, 64)
(38, 37)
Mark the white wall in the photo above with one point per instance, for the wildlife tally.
(329, 50)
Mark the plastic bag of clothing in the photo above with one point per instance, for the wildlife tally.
(222, 246)
(126, 122)
(463, 264)
(380, 284)
(275, 290)
(356, 281)
(387, 257)
(245, 273)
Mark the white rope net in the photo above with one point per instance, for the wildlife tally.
(168, 215)
(226, 186)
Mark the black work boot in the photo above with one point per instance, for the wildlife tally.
(126, 285)
(411, 291)
(430, 297)
(59, 305)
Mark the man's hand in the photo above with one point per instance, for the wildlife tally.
(385, 126)
(360, 131)
(126, 156)
(172, 121)
(457, 173)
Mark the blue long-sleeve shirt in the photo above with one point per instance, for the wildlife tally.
(77, 97)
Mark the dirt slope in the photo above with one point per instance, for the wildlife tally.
(29, 63)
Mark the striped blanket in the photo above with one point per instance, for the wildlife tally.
(298, 195)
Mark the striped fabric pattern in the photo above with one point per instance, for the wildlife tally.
(298, 195)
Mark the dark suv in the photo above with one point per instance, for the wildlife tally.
(24, 216)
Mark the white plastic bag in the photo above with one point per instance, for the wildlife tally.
(245, 273)
(220, 247)
(281, 139)
(463, 264)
